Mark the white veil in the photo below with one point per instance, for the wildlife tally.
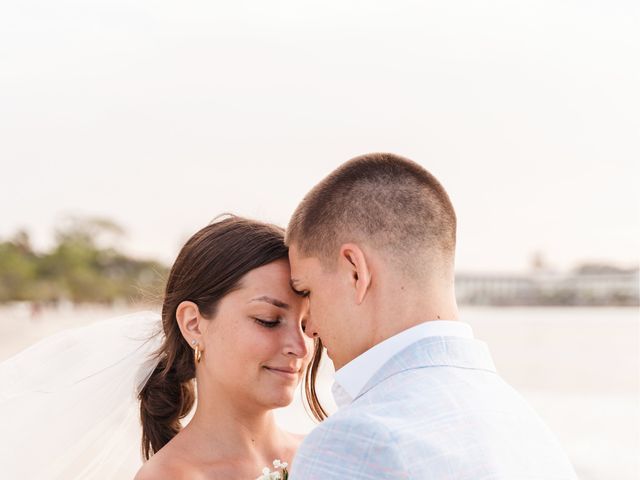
(68, 406)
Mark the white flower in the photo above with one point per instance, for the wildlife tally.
(267, 474)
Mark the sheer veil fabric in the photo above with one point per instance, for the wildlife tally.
(68, 406)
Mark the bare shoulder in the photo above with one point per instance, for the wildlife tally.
(147, 472)
(164, 466)
(159, 471)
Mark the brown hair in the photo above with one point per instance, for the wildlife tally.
(382, 199)
(209, 266)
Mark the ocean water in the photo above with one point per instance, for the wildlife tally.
(578, 367)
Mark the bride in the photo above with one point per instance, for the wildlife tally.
(229, 348)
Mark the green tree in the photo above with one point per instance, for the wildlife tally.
(83, 266)
(18, 268)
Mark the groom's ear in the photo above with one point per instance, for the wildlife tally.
(355, 261)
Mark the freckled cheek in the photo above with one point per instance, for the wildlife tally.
(244, 348)
(262, 346)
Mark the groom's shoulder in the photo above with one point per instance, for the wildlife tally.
(351, 444)
(352, 423)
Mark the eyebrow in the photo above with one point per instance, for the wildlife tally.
(272, 301)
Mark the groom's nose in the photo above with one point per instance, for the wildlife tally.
(308, 327)
(311, 333)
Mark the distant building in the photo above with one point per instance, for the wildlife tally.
(585, 286)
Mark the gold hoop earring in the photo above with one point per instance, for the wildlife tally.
(197, 354)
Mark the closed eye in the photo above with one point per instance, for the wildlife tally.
(267, 323)
(302, 293)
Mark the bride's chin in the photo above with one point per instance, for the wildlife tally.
(278, 399)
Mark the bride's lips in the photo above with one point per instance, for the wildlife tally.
(289, 373)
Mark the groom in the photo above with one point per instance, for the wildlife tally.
(373, 247)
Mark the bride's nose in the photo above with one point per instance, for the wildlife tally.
(295, 344)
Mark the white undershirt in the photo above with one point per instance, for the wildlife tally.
(352, 378)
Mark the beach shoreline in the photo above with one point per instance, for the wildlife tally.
(578, 367)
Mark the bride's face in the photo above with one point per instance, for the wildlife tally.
(254, 346)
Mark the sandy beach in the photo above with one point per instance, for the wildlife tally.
(578, 367)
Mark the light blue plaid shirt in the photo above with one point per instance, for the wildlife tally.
(436, 410)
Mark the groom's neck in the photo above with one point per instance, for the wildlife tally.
(407, 306)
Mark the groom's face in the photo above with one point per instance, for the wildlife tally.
(328, 304)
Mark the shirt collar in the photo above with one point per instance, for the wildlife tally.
(351, 378)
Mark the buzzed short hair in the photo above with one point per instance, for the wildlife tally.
(383, 200)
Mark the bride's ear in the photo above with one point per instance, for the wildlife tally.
(189, 321)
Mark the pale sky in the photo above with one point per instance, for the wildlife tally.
(161, 115)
